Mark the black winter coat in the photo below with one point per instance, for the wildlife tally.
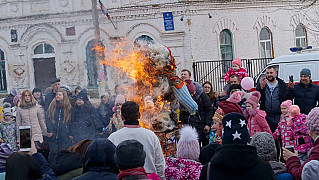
(305, 97)
(60, 131)
(282, 90)
(237, 161)
(105, 113)
(66, 161)
(85, 123)
(48, 99)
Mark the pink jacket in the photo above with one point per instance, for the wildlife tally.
(300, 133)
(182, 169)
(241, 73)
(284, 130)
(257, 121)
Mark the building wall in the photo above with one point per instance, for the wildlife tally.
(196, 35)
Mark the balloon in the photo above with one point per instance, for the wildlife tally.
(247, 83)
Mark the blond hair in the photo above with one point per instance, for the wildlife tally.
(66, 108)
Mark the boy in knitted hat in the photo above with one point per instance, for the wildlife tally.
(256, 118)
(8, 129)
(236, 69)
(299, 133)
(185, 166)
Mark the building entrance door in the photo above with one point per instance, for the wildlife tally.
(44, 70)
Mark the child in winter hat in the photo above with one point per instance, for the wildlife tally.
(185, 166)
(237, 70)
(8, 129)
(256, 118)
(300, 133)
(117, 122)
(283, 128)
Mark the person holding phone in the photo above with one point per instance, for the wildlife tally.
(29, 113)
(58, 118)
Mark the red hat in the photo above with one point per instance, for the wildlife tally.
(236, 61)
(254, 99)
(190, 86)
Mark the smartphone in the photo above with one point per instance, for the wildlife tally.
(291, 78)
(25, 138)
(290, 148)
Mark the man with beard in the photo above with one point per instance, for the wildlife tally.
(272, 90)
(305, 94)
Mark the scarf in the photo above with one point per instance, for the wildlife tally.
(59, 104)
(132, 172)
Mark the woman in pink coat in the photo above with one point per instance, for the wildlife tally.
(256, 118)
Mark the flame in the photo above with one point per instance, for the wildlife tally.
(144, 72)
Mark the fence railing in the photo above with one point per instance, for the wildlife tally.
(214, 71)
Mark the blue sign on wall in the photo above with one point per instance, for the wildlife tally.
(168, 21)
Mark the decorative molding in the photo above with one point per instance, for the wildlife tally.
(299, 19)
(224, 23)
(143, 25)
(263, 21)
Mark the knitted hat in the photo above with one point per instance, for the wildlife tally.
(190, 86)
(305, 72)
(312, 120)
(219, 115)
(310, 170)
(129, 154)
(294, 111)
(237, 61)
(82, 96)
(188, 146)
(207, 152)
(105, 94)
(7, 112)
(54, 80)
(286, 103)
(16, 99)
(254, 99)
(120, 99)
(6, 151)
(235, 97)
(265, 145)
(235, 129)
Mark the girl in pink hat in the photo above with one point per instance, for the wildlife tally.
(237, 70)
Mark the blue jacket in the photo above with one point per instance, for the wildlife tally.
(306, 97)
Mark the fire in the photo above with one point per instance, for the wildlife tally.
(149, 76)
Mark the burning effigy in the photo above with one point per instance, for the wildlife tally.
(154, 84)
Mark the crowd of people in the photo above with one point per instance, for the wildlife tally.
(270, 133)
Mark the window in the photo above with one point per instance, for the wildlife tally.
(265, 43)
(226, 49)
(43, 48)
(143, 40)
(3, 78)
(301, 38)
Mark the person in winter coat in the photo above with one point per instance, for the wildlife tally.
(37, 94)
(305, 93)
(29, 113)
(292, 161)
(69, 164)
(256, 118)
(9, 99)
(55, 85)
(130, 158)
(299, 133)
(185, 166)
(207, 152)
(117, 122)
(99, 161)
(235, 159)
(213, 96)
(8, 130)
(85, 123)
(105, 109)
(22, 166)
(236, 69)
(202, 119)
(266, 150)
(58, 118)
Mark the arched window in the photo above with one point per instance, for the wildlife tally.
(91, 62)
(301, 36)
(143, 40)
(43, 48)
(265, 39)
(3, 78)
(226, 48)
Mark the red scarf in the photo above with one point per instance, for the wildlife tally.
(132, 172)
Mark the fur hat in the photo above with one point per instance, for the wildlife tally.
(286, 103)
(294, 110)
(312, 120)
(16, 99)
(219, 115)
(188, 146)
(120, 99)
(190, 86)
(254, 99)
(306, 72)
(129, 154)
(236, 61)
(235, 130)
(265, 145)
(310, 170)
(235, 97)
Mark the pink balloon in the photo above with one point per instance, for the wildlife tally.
(247, 83)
